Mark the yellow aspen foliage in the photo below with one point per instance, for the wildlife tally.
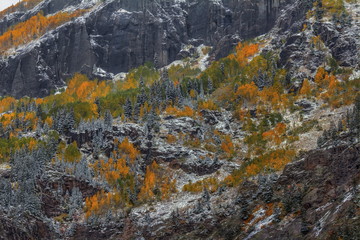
(35, 27)
(127, 148)
(227, 146)
(185, 112)
(333, 6)
(210, 184)
(317, 42)
(243, 52)
(129, 83)
(49, 121)
(306, 88)
(6, 103)
(32, 144)
(72, 153)
(248, 93)
(7, 119)
(322, 78)
(167, 188)
(170, 139)
(193, 93)
(271, 96)
(98, 204)
(146, 191)
(304, 27)
(276, 134)
(208, 104)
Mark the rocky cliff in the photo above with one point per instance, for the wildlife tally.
(116, 36)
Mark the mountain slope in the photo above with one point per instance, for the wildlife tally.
(235, 120)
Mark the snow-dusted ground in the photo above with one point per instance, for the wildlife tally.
(202, 62)
(4, 167)
(308, 141)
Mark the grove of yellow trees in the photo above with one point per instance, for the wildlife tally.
(33, 28)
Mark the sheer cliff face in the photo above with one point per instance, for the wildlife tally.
(119, 35)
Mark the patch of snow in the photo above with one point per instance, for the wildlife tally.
(4, 167)
(202, 61)
(323, 207)
(321, 223)
(161, 211)
(261, 224)
(121, 10)
(60, 90)
(355, 75)
(99, 72)
(2, 114)
(347, 197)
(120, 76)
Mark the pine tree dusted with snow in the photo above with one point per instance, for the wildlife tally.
(128, 109)
(108, 120)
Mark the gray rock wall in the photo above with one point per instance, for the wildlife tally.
(125, 34)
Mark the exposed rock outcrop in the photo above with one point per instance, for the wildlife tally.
(119, 35)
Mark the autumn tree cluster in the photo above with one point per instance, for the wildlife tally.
(33, 28)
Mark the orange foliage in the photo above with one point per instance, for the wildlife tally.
(208, 104)
(99, 203)
(186, 112)
(170, 139)
(155, 178)
(49, 121)
(129, 83)
(112, 170)
(227, 146)
(248, 92)
(244, 51)
(306, 88)
(276, 134)
(322, 78)
(252, 169)
(146, 191)
(317, 42)
(33, 28)
(126, 147)
(80, 88)
(32, 144)
(7, 119)
(271, 96)
(210, 184)
(6, 103)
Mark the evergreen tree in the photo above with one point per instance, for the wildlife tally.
(108, 120)
(156, 61)
(136, 112)
(82, 170)
(39, 111)
(97, 102)
(210, 86)
(332, 130)
(75, 200)
(128, 109)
